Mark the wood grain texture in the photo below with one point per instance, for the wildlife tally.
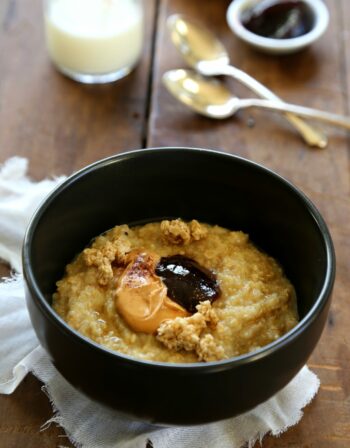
(61, 125)
(22, 416)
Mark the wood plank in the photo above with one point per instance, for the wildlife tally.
(59, 124)
(310, 78)
(344, 37)
(317, 77)
(22, 415)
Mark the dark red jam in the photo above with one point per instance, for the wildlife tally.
(279, 19)
(188, 283)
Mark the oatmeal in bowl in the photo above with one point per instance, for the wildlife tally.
(176, 291)
(213, 328)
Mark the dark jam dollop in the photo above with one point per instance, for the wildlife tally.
(188, 282)
(279, 19)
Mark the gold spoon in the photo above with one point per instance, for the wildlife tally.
(212, 98)
(206, 54)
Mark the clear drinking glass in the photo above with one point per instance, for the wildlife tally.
(94, 41)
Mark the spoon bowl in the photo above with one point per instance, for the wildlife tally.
(197, 44)
(206, 96)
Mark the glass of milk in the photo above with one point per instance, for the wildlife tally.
(94, 41)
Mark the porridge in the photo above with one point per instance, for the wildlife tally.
(176, 291)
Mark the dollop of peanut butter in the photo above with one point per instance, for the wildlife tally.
(141, 296)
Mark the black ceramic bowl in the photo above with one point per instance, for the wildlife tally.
(213, 187)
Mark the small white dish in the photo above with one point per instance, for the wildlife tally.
(277, 46)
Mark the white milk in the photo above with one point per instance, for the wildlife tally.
(94, 36)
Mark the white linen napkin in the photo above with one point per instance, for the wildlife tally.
(88, 424)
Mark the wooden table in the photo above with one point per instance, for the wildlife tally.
(61, 126)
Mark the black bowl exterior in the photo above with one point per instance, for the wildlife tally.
(176, 182)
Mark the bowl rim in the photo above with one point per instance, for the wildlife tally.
(320, 302)
(320, 12)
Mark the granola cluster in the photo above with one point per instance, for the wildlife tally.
(190, 333)
(179, 232)
(104, 256)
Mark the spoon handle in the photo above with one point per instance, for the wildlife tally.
(311, 135)
(308, 112)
